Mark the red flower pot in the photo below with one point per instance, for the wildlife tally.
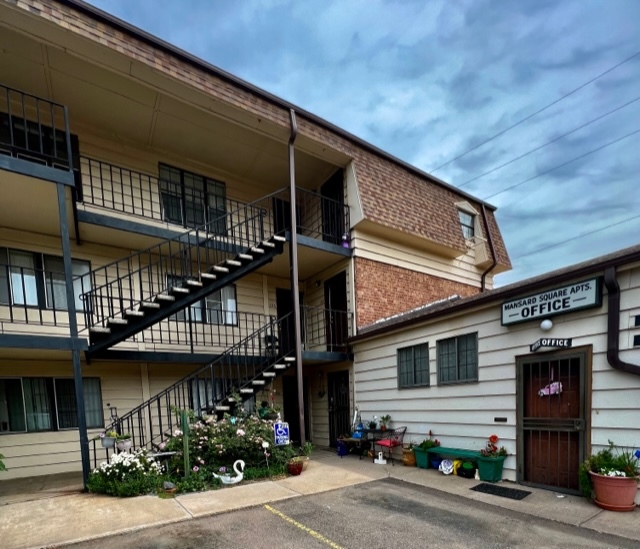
(295, 467)
(614, 493)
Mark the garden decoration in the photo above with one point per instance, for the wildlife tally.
(226, 478)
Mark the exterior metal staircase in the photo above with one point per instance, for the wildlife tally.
(124, 297)
(235, 376)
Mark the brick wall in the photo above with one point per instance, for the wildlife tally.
(383, 290)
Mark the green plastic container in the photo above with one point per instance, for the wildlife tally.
(422, 458)
(490, 469)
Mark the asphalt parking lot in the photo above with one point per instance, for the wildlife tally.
(387, 513)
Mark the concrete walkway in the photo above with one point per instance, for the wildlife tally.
(70, 518)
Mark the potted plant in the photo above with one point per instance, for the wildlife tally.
(108, 438)
(420, 451)
(373, 425)
(123, 442)
(305, 453)
(384, 422)
(610, 477)
(491, 460)
(295, 466)
(408, 457)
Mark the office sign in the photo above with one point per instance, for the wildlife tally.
(562, 300)
(551, 342)
(281, 433)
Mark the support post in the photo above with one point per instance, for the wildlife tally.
(73, 332)
(184, 424)
(293, 263)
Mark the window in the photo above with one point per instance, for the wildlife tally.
(33, 404)
(413, 366)
(467, 222)
(218, 308)
(458, 359)
(36, 280)
(192, 200)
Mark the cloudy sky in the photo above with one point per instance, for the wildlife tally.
(428, 81)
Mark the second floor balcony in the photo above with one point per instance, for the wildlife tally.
(182, 200)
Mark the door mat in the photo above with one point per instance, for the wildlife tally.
(501, 491)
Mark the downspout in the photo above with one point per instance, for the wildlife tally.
(293, 262)
(613, 325)
(493, 250)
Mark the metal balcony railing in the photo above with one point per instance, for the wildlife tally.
(140, 194)
(326, 329)
(34, 129)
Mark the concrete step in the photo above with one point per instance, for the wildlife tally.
(245, 257)
(221, 408)
(289, 358)
(220, 269)
(267, 244)
(117, 321)
(268, 374)
(233, 262)
(246, 391)
(165, 298)
(280, 366)
(193, 283)
(180, 290)
(256, 250)
(99, 330)
(278, 238)
(149, 305)
(133, 313)
(208, 276)
(258, 382)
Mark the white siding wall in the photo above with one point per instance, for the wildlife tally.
(463, 415)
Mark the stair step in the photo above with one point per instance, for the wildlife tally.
(194, 283)
(165, 297)
(268, 244)
(208, 276)
(246, 257)
(180, 290)
(149, 305)
(233, 262)
(289, 358)
(256, 250)
(222, 408)
(220, 269)
(131, 312)
(246, 391)
(278, 238)
(231, 399)
(117, 321)
(258, 382)
(280, 367)
(99, 330)
(269, 374)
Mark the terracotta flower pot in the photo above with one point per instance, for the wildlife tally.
(408, 457)
(614, 493)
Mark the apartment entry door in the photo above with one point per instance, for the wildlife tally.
(551, 401)
(339, 413)
(284, 306)
(290, 407)
(333, 219)
(335, 304)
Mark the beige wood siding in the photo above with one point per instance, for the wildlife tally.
(463, 415)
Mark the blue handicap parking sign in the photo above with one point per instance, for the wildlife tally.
(281, 433)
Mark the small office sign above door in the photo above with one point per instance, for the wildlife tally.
(566, 299)
(551, 342)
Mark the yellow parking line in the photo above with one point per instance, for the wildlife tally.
(302, 527)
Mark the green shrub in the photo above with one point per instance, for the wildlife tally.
(126, 475)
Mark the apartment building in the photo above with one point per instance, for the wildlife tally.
(153, 255)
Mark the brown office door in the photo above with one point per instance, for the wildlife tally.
(551, 422)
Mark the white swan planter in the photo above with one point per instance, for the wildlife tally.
(227, 479)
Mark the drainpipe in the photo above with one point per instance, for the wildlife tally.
(613, 325)
(293, 262)
(493, 250)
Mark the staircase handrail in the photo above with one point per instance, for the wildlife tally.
(268, 329)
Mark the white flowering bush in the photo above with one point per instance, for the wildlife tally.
(126, 474)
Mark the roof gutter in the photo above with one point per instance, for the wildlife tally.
(483, 286)
(613, 325)
(156, 42)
